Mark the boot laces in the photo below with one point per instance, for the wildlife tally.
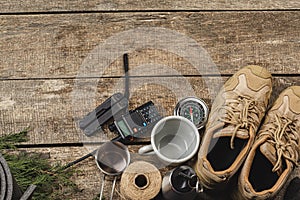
(283, 135)
(241, 112)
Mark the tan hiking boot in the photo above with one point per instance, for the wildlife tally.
(275, 151)
(234, 119)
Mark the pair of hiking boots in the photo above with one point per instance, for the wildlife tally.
(241, 137)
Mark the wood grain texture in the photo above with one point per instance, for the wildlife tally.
(88, 177)
(52, 46)
(105, 5)
(60, 59)
(52, 108)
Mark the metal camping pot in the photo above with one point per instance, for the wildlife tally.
(181, 183)
(112, 158)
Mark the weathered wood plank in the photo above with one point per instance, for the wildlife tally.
(52, 108)
(88, 178)
(51, 46)
(79, 5)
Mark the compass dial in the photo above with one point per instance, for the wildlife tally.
(193, 109)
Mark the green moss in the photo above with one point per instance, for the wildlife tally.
(32, 168)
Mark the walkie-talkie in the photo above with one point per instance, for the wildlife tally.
(115, 105)
(137, 123)
(128, 123)
(112, 107)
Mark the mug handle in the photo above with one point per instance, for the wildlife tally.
(146, 150)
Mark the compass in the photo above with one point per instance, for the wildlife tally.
(193, 109)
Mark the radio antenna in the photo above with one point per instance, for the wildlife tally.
(126, 69)
(126, 95)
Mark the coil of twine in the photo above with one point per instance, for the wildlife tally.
(141, 180)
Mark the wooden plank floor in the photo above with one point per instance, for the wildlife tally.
(49, 63)
(15, 6)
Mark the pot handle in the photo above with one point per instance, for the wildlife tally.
(199, 187)
(113, 188)
(102, 186)
(146, 150)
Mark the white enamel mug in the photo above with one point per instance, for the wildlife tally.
(174, 140)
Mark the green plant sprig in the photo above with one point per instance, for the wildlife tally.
(32, 168)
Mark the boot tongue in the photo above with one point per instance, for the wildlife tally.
(269, 151)
(228, 131)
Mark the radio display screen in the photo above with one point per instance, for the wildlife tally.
(121, 124)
